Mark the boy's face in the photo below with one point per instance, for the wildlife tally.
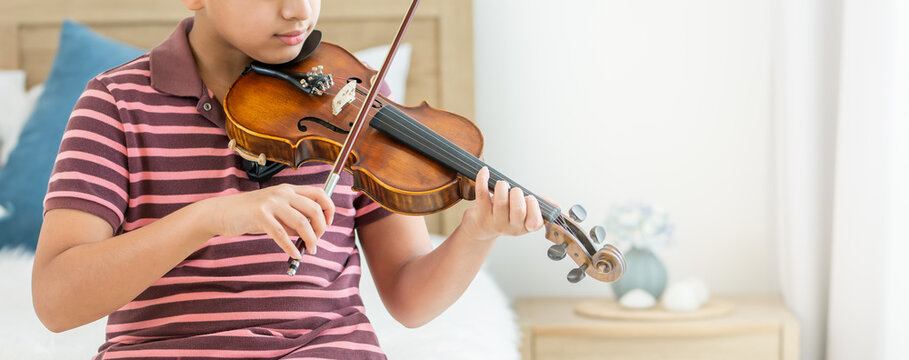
(270, 31)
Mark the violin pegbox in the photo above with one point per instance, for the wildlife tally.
(606, 264)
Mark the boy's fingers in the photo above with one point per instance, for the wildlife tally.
(277, 232)
(321, 198)
(534, 220)
(311, 243)
(481, 192)
(300, 225)
(304, 228)
(310, 213)
(500, 205)
(517, 209)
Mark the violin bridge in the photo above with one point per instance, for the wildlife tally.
(345, 96)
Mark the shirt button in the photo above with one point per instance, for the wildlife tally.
(206, 106)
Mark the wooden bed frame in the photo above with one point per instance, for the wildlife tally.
(441, 35)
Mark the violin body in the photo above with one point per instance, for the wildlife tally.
(411, 160)
(267, 115)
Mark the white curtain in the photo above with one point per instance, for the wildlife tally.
(841, 119)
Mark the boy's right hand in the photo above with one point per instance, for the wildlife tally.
(280, 211)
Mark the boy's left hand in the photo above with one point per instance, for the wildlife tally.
(506, 212)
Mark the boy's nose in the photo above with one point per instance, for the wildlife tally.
(296, 10)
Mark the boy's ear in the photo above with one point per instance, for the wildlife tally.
(193, 5)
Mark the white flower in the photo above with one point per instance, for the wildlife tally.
(641, 225)
(630, 219)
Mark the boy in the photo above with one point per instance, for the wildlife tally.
(149, 219)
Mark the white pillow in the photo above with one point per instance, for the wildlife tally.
(13, 103)
(11, 127)
(397, 74)
(31, 99)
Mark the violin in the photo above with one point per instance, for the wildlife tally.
(411, 160)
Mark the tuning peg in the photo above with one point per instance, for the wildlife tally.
(577, 213)
(577, 274)
(557, 252)
(598, 234)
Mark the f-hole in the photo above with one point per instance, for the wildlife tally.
(302, 127)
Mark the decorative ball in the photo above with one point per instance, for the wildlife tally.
(681, 297)
(699, 286)
(637, 299)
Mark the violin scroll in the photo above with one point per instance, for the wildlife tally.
(606, 264)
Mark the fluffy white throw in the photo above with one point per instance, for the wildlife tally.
(480, 325)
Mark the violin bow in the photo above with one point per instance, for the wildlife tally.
(335, 174)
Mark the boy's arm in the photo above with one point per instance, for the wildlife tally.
(417, 283)
(82, 273)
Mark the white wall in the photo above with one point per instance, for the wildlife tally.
(602, 101)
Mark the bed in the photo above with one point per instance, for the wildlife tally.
(440, 55)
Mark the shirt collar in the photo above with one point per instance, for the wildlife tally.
(172, 69)
(172, 65)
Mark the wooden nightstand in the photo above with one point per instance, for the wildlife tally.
(759, 327)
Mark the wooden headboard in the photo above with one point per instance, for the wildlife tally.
(441, 35)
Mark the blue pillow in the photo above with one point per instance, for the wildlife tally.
(83, 54)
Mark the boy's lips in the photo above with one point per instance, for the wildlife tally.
(292, 38)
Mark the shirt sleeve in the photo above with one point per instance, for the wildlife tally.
(385, 90)
(367, 210)
(90, 172)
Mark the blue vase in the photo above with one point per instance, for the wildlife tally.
(644, 270)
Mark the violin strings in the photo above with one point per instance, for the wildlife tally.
(544, 205)
(459, 157)
(358, 101)
(471, 163)
(452, 156)
(466, 160)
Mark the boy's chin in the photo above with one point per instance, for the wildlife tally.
(279, 57)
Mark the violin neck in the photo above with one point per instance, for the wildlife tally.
(417, 136)
(550, 211)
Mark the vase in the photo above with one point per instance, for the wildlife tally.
(644, 270)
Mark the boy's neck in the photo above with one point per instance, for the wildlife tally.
(218, 62)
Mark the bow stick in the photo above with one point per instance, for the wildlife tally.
(335, 174)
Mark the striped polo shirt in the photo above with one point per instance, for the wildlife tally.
(147, 138)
